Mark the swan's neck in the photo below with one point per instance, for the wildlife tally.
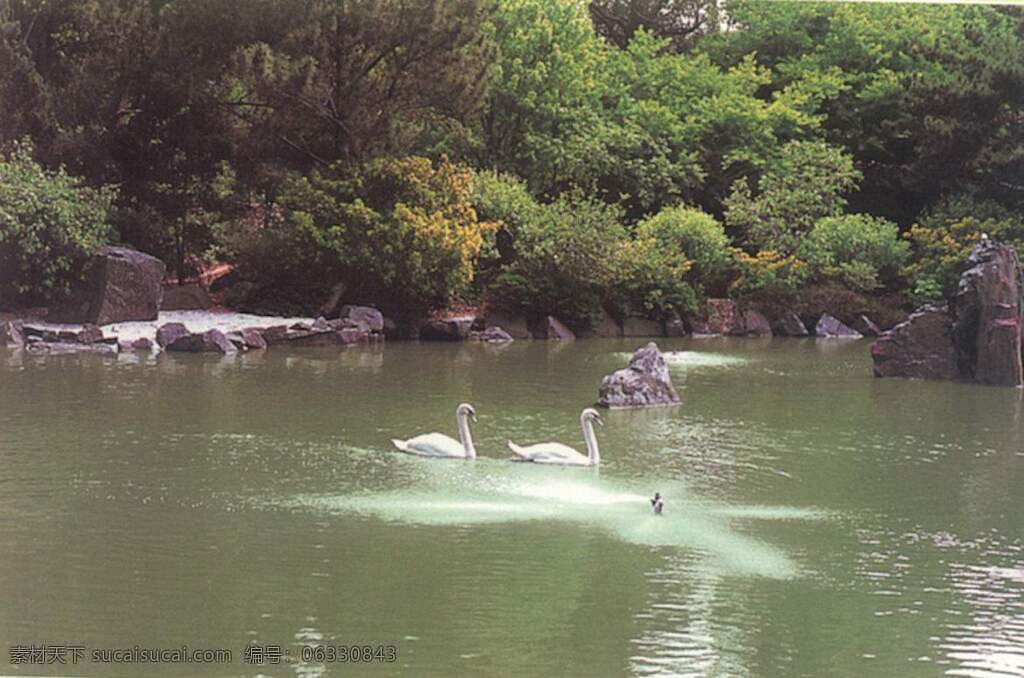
(465, 437)
(593, 456)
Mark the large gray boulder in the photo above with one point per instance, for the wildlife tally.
(644, 383)
(365, 315)
(987, 316)
(119, 284)
(921, 347)
(978, 338)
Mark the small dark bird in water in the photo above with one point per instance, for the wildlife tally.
(657, 503)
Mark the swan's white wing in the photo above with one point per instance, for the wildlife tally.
(432, 445)
(549, 453)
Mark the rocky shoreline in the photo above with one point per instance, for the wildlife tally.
(213, 331)
(122, 304)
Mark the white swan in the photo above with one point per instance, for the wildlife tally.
(440, 445)
(557, 453)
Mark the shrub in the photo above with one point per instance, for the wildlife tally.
(398, 232)
(563, 259)
(944, 236)
(651, 279)
(767, 273)
(855, 250)
(696, 235)
(50, 222)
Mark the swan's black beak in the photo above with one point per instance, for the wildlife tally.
(599, 420)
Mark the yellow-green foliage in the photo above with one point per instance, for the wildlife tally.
(944, 236)
(653, 277)
(768, 271)
(400, 231)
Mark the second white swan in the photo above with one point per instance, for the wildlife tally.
(557, 453)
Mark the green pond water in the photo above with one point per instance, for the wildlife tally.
(818, 521)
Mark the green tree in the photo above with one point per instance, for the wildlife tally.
(542, 120)
(807, 183)
(354, 80)
(929, 97)
(681, 22)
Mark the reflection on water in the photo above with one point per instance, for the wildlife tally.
(697, 359)
(457, 493)
(818, 521)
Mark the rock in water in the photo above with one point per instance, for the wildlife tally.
(921, 346)
(866, 326)
(833, 328)
(755, 324)
(211, 341)
(987, 317)
(452, 329)
(12, 334)
(788, 324)
(645, 383)
(724, 317)
(367, 315)
(513, 323)
(492, 335)
(551, 327)
(979, 339)
(252, 338)
(169, 332)
(120, 284)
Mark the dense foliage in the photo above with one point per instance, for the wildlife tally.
(49, 224)
(401, 232)
(554, 155)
